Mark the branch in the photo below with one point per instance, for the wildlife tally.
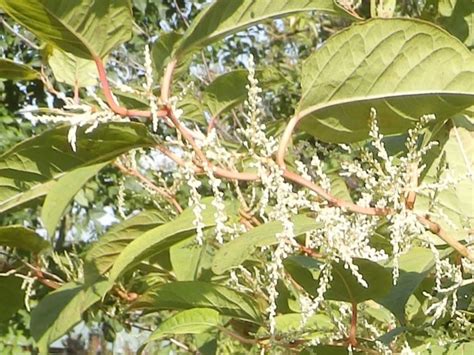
(167, 195)
(352, 340)
(167, 80)
(114, 106)
(18, 34)
(435, 228)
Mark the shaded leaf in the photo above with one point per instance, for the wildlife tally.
(161, 238)
(100, 258)
(344, 286)
(414, 266)
(11, 297)
(162, 50)
(16, 71)
(84, 28)
(459, 19)
(197, 294)
(235, 252)
(22, 238)
(60, 310)
(62, 193)
(386, 64)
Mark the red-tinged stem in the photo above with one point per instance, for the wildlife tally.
(285, 140)
(119, 110)
(167, 80)
(352, 340)
(435, 228)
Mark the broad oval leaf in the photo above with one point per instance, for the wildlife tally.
(16, 71)
(60, 310)
(29, 169)
(22, 238)
(100, 258)
(196, 294)
(84, 28)
(62, 193)
(235, 252)
(386, 64)
(225, 17)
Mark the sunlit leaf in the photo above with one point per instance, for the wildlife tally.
(63, 308)
(387, 65)
(84, 28)
(72, 70)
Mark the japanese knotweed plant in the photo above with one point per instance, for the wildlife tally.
(319, 199)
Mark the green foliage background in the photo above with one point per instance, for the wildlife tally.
(326, 63)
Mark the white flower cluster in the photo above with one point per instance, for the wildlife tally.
(386, 184)
(194, 195)
(215, 152)
(77, 115)
(149, 88)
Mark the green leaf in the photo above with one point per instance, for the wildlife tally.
(457, 203)
(344, 286)
(11, 297)
(230, 89)
(291, 322)
(386, 64)
(162, 50)
(63, 192)
(29, 169)
(84, 28)
(16, 71)
(197, 294)
(22, 238)
(191, 321)
(100, 258)
(224, 17)
(72, 70)
(161, 238)
(235, 252)
(451, 349)
(62, 309)
(459, 20)
(186, 259)
(414, 266)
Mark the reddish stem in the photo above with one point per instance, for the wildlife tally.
(352, 340)
(119, 110)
